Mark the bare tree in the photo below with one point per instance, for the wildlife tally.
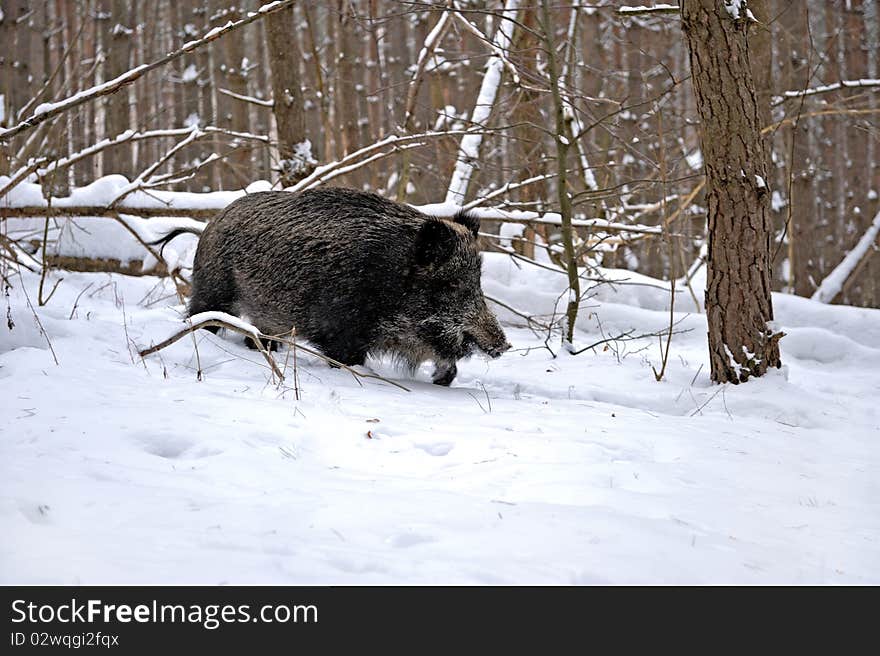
(294, 148)
(117, 45)
(230, 73)
(739, 306)
(563, 195)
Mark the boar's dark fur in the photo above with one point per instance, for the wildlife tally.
(355, 273)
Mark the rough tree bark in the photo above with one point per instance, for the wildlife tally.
(346, 93)
(230, 73)
(739, 307)
(294, 148)
(117, 43)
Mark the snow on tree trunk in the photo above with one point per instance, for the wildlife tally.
(469, 150)
(738, 301)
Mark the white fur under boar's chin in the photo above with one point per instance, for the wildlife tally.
(355, 273)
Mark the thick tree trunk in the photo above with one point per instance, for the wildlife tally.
(738, 302)
(230, 73)
(295, 150)
(346, 93)
(117, 43)
(761, 55)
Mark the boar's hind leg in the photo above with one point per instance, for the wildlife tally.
(212, 293)
(444, 373)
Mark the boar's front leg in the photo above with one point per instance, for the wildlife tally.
(444, 373)
(350, 357)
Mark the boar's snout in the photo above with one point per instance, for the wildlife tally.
(487, 335)
(497, 351)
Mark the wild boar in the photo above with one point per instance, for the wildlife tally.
(354, 273)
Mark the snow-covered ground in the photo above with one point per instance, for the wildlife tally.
(530, 469)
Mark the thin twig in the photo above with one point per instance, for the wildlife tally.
(256, 335)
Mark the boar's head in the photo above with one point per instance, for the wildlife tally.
(447, 300)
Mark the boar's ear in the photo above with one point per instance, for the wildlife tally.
(435, 242)
(469, 221)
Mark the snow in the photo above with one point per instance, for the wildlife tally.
(695, 160)
(508, 232)
(432, 40)
(301, 159)
(103, 191)
(833, 283)
(103, 237)
(190, 73)
(735, 9)
(203, 317)
(825, 88)
(777, 202)
(643, 9)
(529, 469)
(210, 33)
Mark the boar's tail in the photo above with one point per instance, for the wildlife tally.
(164, 241)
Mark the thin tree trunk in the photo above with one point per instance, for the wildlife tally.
(739, 306)
(562, 147)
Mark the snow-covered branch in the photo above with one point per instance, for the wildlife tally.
(46, 111)
(469, 150)
(827, 88)
(835, 281)
(255, 101)
(448, 210)
(322, 173)
(431, 42)
(642, 9)
(507, 188)
(94, 149)
(21, 175)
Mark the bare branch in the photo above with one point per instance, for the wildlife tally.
(47, 111)
(222, 320)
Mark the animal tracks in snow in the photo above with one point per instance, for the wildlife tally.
(436, 448)
(172, 447)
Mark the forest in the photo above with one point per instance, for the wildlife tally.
(361, 72)
(677, 210)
